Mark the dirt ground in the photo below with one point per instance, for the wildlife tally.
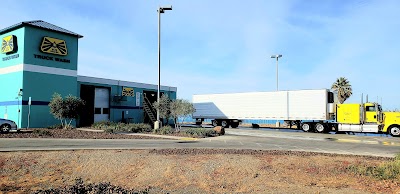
(191, 171)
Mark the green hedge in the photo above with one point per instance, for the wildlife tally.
(164, 130)
(200, 132)
(112, 127)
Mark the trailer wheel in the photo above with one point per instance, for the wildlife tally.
(394, 131)
(225, 124)
(306, 127)
(214, 123)
(235, 124)
(320, 127)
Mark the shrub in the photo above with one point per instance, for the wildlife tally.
(66, 110)
(56, 126)
(81, 187)
(101, 124)
(108, 129)
(200, 132)
(42, 132)
(139, 127)
(111, 127)
(164, 130)
(384, 171)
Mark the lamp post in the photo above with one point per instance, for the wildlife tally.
(277, 58)
(160, 11)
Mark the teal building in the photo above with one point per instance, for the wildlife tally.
(38, 59)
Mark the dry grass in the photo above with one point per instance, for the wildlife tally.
(191, 171)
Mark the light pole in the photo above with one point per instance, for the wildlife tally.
(277, 58)
(160, 11)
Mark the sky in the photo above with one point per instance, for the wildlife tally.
(224, 46)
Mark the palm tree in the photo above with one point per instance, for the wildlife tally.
(342, 88)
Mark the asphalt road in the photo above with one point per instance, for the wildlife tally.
(233, 139)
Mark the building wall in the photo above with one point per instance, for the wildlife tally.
(11, 78)
(124, 107)
(42, 77)
(40, 74)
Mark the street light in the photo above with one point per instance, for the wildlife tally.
(277, 58)
(160, 11)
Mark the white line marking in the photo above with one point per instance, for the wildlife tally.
(241, 143)
(259, 144)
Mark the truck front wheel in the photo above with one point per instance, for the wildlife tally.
(394, 131)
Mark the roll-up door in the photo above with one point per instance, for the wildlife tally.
(101, 104)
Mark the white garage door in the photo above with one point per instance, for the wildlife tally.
(101, 104)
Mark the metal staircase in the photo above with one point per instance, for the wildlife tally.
(149, 110)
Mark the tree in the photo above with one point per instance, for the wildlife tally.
(342, 88)
(66, 110)
(180, 109)
(163, 106)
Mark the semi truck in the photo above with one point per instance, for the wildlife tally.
(311, 110)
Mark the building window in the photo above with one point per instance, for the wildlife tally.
(106, 111)
(97, 110)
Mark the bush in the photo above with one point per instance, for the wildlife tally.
(42, 132)
(66, 110)
(384, 171)
(164, 130)
(112, 127)
(81, 187)
(56, 126)
(200, 132)
(139, 127)
(101, 124)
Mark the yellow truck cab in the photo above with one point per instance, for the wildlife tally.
(367, 117)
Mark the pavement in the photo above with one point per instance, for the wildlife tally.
(255, 139)
(143, 134)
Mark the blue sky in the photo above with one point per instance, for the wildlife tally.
(225, 46)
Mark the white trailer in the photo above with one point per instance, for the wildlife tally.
(305, 107)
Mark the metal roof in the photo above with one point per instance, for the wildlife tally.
(40, 24)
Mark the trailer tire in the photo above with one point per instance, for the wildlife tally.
(394, 130)
(214, 123)
(306, 127)
(225, 124)
(320, 128)
(235, 124)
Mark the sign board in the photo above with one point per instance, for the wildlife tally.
(128, 92)
(9, 44)
(54, 46)
(137, 98)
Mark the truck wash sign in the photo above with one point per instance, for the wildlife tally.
(53, 46)
(9, 45)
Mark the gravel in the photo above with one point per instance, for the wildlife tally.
(70, 134)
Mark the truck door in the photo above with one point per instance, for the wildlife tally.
(370, 114)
